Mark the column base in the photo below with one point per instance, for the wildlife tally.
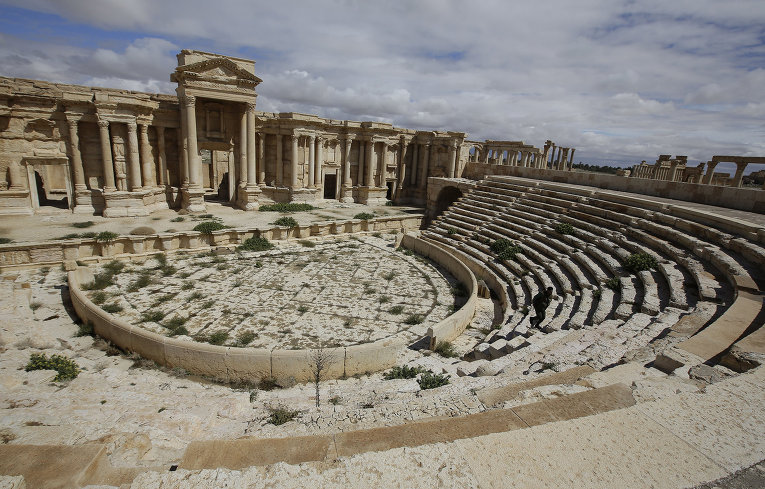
(193, 199)
(373, 195)
(346, 195)
(303, 194)
(248, 198)
(125, 204)
(83, 202)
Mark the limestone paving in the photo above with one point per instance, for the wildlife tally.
(335, 292)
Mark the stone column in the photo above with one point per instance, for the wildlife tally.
(382, 164)
(360, 168)
(133, 161)
(162, 156)
(401, 162)
(564, 159)
(551, 156)
(319, 161)
(571, 159)
(77, 169)
(452, 159)
(251, 152)
(310, 161)
(424, 165)
(673, 170)
(279, 159)
(485, 155)
(739, 176)
(17, 174)
(147, 161)
(370, 164)
(183, 142)
(106, 156)
(294, 162)
(261, 159)
(710, 172)
(415, 166)
(347, 162)
(195, 163)
(243, 176)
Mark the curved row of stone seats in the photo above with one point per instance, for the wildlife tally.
(735, 258)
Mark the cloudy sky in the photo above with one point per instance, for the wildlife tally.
(620, 80)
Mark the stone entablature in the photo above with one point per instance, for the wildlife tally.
(676, 170)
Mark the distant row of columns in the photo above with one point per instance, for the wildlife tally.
(140, 162)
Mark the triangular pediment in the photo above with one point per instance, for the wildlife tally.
(217, 69)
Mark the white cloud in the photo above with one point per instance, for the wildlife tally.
(619, 80)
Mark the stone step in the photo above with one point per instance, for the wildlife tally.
(492, 396)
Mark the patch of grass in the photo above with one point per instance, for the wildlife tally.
(334, 400)
(287, 221)
(430, 380)
(286, 207)
(100, 281)
(302, 309)
(639, 262)
(142, 281)
(84, 329)
(377, 235)
(505, 249)
(114, 267)
(35, 305)
(217, 338)
(112, 308)
(389, 276)
(99, 298)
(613, 283)
(403, 372)
(245, 337)
(177, 219)
(152, 316)
(564, 228)
(451, 231)
(175, 322)
(208, 227)
(83, 224)
(67, 369)
(413, 319)
(396, 310)
(5, 240)
(106, 236)
(268, 383)
(364, 216)
(446, 349)
(196, 295)
(280, 415)
(187, 286)
(307, 243)
(179, 331)
(384, 299)
(256, 244)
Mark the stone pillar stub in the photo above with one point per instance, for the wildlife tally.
(77, 169)
(106, 156)
(133, 161)
(147, 161)
(310, 161)
(251, 152)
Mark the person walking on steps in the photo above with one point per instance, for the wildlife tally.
(540, 303)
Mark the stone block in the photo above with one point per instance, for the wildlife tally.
(497, 348)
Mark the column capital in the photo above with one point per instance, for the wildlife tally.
(102, 123)
(132, 126)
(144, 126)
(250, 107)
(189, 100)
(311, 137)
(72, 123)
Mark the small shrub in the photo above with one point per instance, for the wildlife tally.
(143, 231)
(84, 224)
(334, 400)
(596, 294)
(613, 283)
(396, 310)
(84, 329)
(280, 415)
(106, 236)
(301, 309)
(139, 283)
(445, 349)
(403, 372)
(177, 219)
(430, 380)
(67, 369)
(100, 282)
(413, 319)
(112, 308)
(35, 305)
(5, 240)
(287, 221)
(384, 299)
(175, 322)
(218, 338)
(99, 298)
(268, 383)
(364, 216)
(389, 203)
(288, 207)
(179, 331)
(564, 228)
(389, 276)
(196, 295)
(187, 286)
(638, 262)
(152, 316)
(207, 227)
(256, 244)
(451, 231)
(114, 267)
(245, 337)
(307, 243)
(377, 235)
